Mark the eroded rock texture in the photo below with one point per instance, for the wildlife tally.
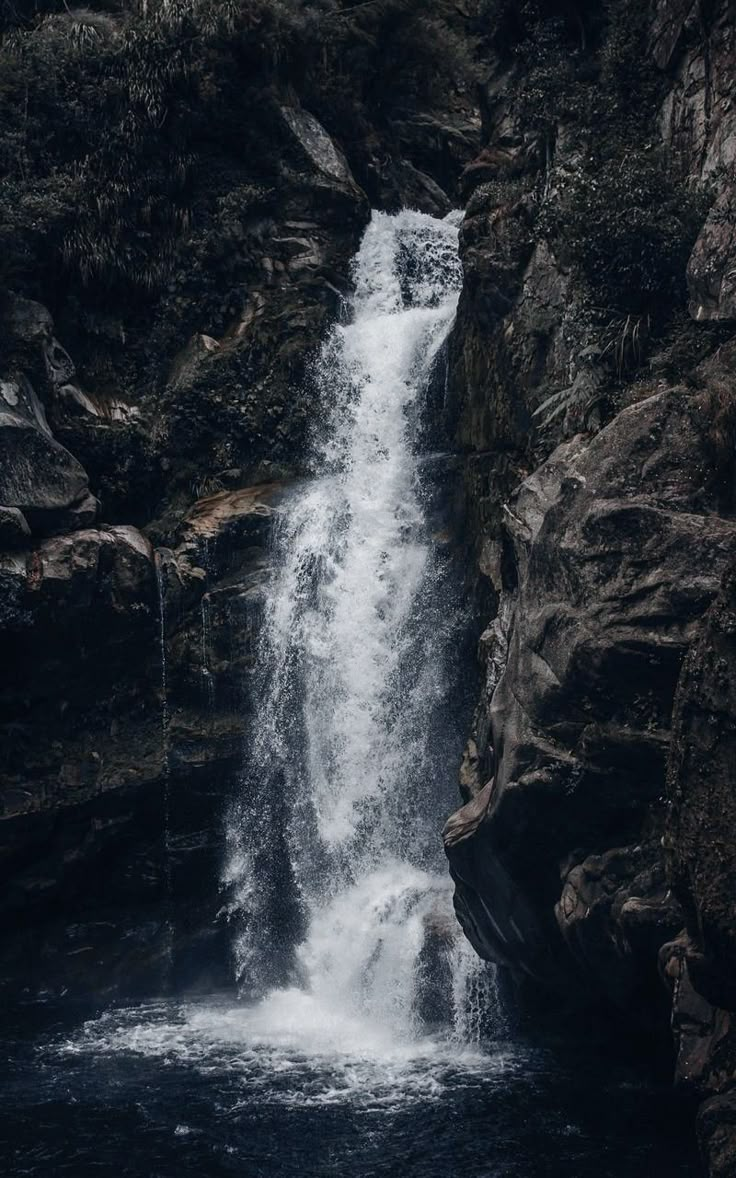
(699, 965)
(593, 378)
(606, 605)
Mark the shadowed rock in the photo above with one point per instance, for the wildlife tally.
(38, 476)
(711, 272)
(608, 601)
(464, 823)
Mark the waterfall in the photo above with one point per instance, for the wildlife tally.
(336, 884)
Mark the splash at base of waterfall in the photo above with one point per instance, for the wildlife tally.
(384, 969)
(301, 1047)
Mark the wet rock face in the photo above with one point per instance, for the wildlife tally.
(607, 602)
(77, 632)
(701, 858)
(600, 505)
(124, 722)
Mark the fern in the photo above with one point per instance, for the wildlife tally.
(577, 399)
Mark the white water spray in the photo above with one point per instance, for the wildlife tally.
(335, 839)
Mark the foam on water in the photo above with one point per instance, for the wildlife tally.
(293, 1048)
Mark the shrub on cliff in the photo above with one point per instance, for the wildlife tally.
(609, 202)
(67, 119)
(629, 227)
(394, 50)
(110, 124)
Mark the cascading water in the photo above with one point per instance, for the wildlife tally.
(353, 758)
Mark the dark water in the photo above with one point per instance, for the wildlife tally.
(167, 1091)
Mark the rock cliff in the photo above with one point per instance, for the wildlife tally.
(593, 371)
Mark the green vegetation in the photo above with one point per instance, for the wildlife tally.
(115, 125)
(629, 227)
(613, 206)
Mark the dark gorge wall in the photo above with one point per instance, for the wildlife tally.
(593, 370)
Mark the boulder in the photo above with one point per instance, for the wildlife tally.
(30, 321)
(90, 566)
(186, 365)
(316, 145)
(243, 516)
(88, 595)
(38, 476)
(32, 326)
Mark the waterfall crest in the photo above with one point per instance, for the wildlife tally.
(334, 843)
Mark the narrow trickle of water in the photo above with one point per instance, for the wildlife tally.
(165, 759)
(335, 869)
(208, 679)
(477, 1006)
